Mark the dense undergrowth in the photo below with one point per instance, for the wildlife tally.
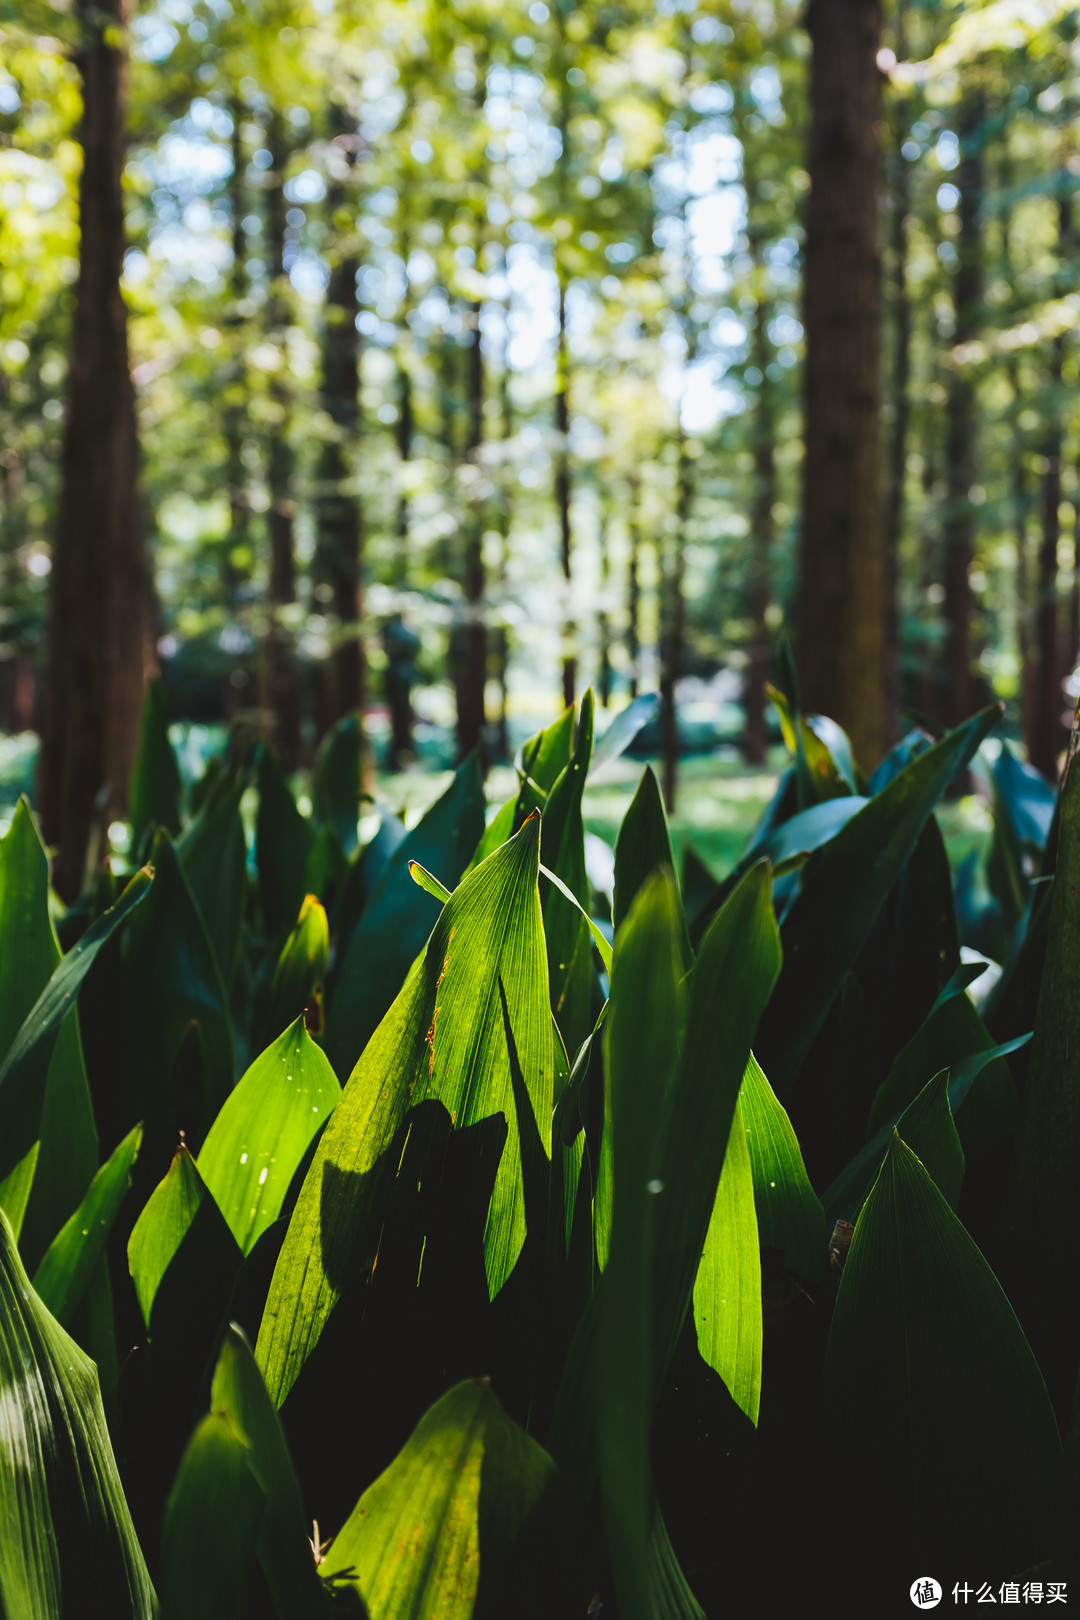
(401, 1229)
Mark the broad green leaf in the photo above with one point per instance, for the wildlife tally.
(737, 966)
(599, 938)
(15, 1189)
(281, 1542)
(641, 1039)
(363, 873)
(301, 967)
(440, 1534)
(789, 1213)
(622, 731)
(398, 916)
(155, 777)
(927, 1126)
(24, 1071)
(263, 1131)
(911, 745)
(62, 1278)
(952, 1031)
(443, 1038)
(544, 757)
(845, 1197)
(159, 997)
(283, 842)
(843, 889)
(65, 1528)
(810, 829)
(337, 779)
(211, 1523)
(933, 1400)
(179, 1205)
(1023, 805)
(213, 853)
(1042, 1209)
(55, 1175)
(818, 774)
(569, 952)
(727, 1288)
(643, 846)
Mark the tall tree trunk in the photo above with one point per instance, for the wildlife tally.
(603, 620)
(763, 533)
(900, 205)
(562, 499)
(673, 628)
(235, 413)
(633, 583)
(1045, 735)
(1020, 502)
(399, 642)
(282, 682)
(841, 617)
(339, 538)
(960, 426)
(472, 667)
(101, 606)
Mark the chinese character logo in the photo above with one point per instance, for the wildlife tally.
(925, 1592)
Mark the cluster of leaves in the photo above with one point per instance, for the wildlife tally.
(503, 1259)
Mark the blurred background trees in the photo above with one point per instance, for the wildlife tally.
(469, 369)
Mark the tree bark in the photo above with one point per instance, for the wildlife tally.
(101, 608)
(235, 414)
(960, 425)
(633, 584)
(763, 535)
(339, 538)
(900, 206)
(603, 621)
(841, 613)
(472, 668)
(562, 499)
(282, 681)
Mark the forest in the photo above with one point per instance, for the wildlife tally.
(539, 827)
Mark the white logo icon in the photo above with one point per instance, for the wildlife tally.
(925, 1592)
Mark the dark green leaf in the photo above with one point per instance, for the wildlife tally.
(622, 731)
(155, 777)
(213, 853)
(337, 779)
(283, 842)
(65, 1528)
(62, 1278)
(178, 1205)
(211, 1524)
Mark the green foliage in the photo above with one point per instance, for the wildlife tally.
(628, 1240)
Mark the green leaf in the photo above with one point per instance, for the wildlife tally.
(62, 1278)
(927, 1126)
(818, 774)
(179, 1205)
(1042, 1210)
(15, 1189)
(155, 777)
(398, 917)
(599, 938)
(642, 847)
(301, 967)
(443, 1038)
(162, 992)
(843, 889)
(544, 757)
(24, 1071)
(65, 1528)
(622, 731)
(283, 842)
(55, 1175)
(441, 1534)
(337, 779)
(789, 1213)
(727, 1288)
(933, 1400)
(213, 853)
(641, 1037)
(281, 1542)
(211, 1523)
(263, 1131)
(570, 965)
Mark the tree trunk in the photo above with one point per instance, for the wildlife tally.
(397, 638)
(1020, 499)
(673, 629)
(900, 205)
(339, 537)
(562, 500)
(282, 682)
(1045, 735)
(501, 633)
(959, 527)
(633, 585)
(472, 667)
(841, 609)
(235, 565)
(101, 607)
(763, 534)
(603, 621)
